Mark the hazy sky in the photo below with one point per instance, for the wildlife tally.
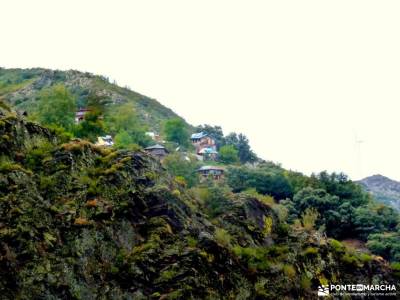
(304, 80)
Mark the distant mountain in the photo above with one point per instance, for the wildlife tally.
(21, 87)
(383, 189)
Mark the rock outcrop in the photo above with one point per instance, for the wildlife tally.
(82, 222)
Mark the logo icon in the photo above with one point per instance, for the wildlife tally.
(323, 290)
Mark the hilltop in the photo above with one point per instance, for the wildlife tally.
(383, 189)
(22, 87)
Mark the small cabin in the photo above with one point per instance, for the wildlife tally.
(202, 140)
(80, 115)
(208, 153)
(157, 150)
(214, 172)
(106, 141)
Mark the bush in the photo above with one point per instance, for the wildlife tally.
(265, 182)
(256, 258)
(309, 217)
(336, 245)
(228, 154)
(37, 149)
(216, 200)
(289, 271)
(179, 166)
(223, 237)
(311, 251)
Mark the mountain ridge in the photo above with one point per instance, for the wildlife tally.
(384, 189)
(21, 87)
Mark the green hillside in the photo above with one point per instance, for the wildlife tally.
(86, 221)
(78, 221)
(21, 88)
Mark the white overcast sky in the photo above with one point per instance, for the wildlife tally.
(304, 80)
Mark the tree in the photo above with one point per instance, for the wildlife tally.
(175, 131)
(57, 106)
(179, 166)
(123, 140)
(274, 184)
(386, 244)
(91, 127)
(123, 121)
(241, 142)
(228, 154)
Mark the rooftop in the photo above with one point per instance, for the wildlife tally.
(208, 168)
(157, 146)
(208, 151)
(198, 135)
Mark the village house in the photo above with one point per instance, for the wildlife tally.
(80, 115)
(213, 172)
(158, 151)
(205, 145)
(154, 136)
(208, 153)
(106, 141)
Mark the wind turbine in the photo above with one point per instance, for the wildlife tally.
(358, 143)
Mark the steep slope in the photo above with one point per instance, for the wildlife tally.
(20, 87)
(82, 222)
(383, 189)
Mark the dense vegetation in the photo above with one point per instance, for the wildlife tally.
(82, 221)
(79, 221)
(22, 88)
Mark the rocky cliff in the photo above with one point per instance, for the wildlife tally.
(82, 222)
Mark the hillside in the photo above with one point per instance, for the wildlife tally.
(21, 87)
(383, 189)
(79, 221)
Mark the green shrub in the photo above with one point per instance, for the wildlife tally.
(395, 266)
(192, 242)
(305, 282)
(311, 251)
(349, 259)
(289, 271)
(336, 245)
(309, 217)
(223, 237)
(267, 226)
(364, 257)
(256, 258)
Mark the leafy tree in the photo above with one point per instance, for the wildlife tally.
(179, 166)
(56, 106)
(265, 182)
(342, 217)
(123, 140)
(175, 131)
(241, 143)
(374, 219)
(124, 121)
(91, 127)
(328, 207)
(339, 185)
(228, 154)
(385, 244)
